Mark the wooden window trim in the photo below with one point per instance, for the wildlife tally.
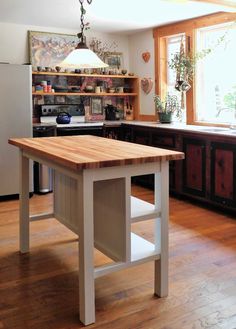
(189, 27)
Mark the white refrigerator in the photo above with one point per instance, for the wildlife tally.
(15, 121)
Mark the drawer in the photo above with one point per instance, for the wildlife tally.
(164, 140)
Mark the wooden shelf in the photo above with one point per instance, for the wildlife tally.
(85, 94)
(142, 210)
(141, 249)
(141, 252)
(120, 76)
(132, 82)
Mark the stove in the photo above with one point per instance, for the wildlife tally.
(77, 125)
(50, 112)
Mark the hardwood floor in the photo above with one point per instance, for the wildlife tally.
(40, 290)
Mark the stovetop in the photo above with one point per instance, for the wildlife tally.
(49, 114)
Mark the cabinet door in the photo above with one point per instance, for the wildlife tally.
(164, 140)
(223, 170)
(112, 132)
(141, 136)
(194, 167)
(126, 133)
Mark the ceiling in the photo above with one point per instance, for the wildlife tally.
(114, 16)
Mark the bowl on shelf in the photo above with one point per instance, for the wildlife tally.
(74, 90)
(123, 71)
(127, 90)
(60, 89)
(89, 89)
(58, 68)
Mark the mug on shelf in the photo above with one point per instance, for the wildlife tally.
(97, 89)
(120, 89)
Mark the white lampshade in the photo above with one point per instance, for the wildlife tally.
(83, 58)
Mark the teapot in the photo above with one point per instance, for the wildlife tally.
(63, 117)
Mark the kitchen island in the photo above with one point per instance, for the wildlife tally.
(92, 197)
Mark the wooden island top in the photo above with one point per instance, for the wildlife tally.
(90, 152)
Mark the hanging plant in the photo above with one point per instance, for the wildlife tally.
(184, 63)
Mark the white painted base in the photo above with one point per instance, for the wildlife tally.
(97, 205)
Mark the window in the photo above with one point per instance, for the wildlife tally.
(212, 96)
(216, 75)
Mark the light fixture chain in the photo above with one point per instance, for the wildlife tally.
(82, 13)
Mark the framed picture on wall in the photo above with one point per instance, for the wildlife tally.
(49, 49)
(96, 105)
(114, 59)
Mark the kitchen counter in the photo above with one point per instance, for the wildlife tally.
(92, 197)
(151, 124)
(184, 127)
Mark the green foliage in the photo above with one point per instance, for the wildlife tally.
(230, 99)
(184, 64)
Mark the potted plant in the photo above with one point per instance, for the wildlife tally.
(165, 108)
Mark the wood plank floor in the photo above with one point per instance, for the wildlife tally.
(40, 290)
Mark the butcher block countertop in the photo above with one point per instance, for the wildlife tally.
(89, 152)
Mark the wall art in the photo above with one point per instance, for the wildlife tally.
(49, 49)
(146, 85)
(146, 56)
(96, 105)
(114, 60)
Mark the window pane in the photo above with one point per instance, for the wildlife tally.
(173, 46)
(216, 75)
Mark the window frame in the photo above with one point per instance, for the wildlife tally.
(189, 28)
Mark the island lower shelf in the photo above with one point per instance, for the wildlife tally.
(141, 251)
(114, 214)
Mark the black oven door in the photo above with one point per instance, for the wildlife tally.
(69, 131)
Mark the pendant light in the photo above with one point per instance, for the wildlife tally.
(82, 57)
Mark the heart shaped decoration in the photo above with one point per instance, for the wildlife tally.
(146, 85)
(146, 56)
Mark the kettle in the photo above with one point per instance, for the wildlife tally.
(63, 117)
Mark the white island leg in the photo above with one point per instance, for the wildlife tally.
(24, 204)
(86, 247)
(161, 230)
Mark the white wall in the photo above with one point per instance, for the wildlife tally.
(14, 49)
(14, 41)
(139, 43)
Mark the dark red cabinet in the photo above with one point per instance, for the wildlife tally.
(194, 167)
(223, 173)
(208, 173)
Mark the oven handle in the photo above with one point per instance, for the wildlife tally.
(79, 128)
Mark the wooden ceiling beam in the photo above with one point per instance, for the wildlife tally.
(225, 3)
